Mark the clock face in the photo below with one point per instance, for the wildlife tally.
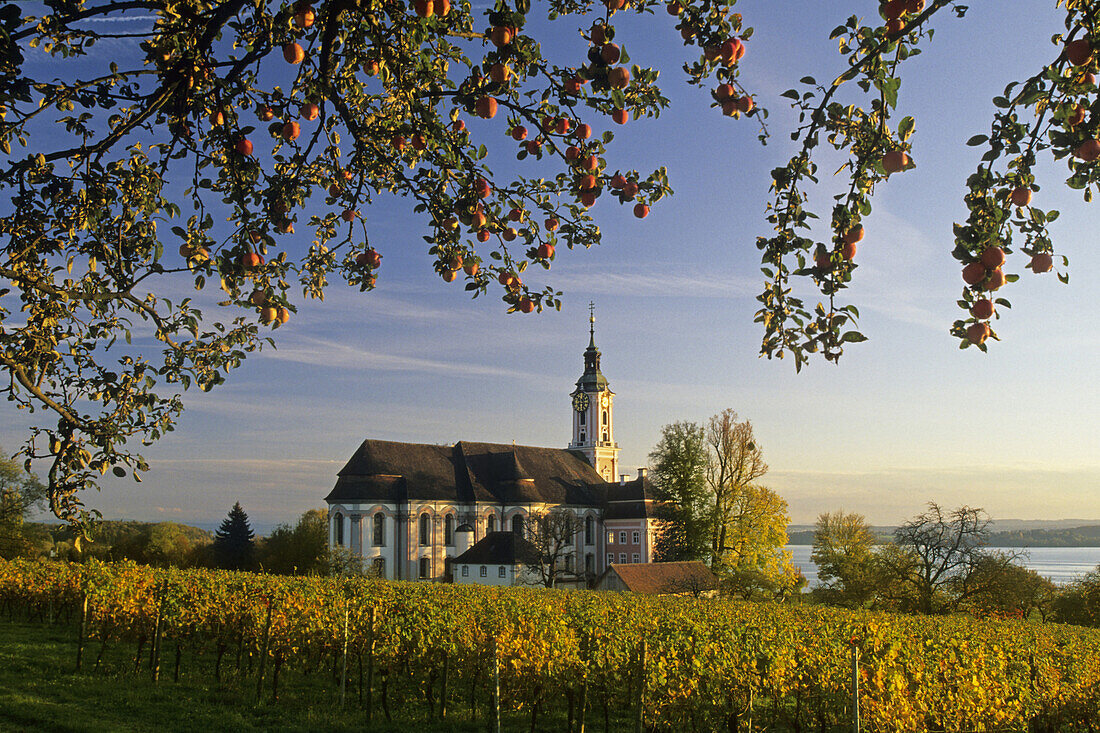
(605, 400)
(580, 402)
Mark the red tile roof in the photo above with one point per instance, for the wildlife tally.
(664, 577)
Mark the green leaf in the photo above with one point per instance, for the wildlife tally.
(977, 140)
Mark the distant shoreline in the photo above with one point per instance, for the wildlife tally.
(1080, 536)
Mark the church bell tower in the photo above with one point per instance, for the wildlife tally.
(592, 403)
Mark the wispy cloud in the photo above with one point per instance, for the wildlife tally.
(662, 285)
(338, 355)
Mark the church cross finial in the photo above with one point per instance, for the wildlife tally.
(592, 322)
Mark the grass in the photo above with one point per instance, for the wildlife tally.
(41, 691)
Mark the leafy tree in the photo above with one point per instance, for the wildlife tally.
(677, 468)
(1079, 602)
(752, 560)
(301, 549)
(233, 545)
(1008, 589)
(705, 479)
(843, 551)
(254, 113)
(20, 492)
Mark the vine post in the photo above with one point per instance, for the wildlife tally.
(370, 663)
(495, 720)
(855, 687)
(263, 654)
(639, 700)
(344, 670)
(83, 634)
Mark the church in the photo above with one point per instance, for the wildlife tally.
(409, 509)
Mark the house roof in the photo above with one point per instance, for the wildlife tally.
(500, 548)
(663, 577)
(391, 472)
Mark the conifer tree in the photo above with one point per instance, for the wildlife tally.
(233, 544)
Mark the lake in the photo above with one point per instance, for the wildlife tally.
(1061, 564)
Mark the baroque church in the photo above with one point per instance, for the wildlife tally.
(409, 509)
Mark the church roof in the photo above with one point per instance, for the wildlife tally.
(629, 500)
(500, 548)
(391, 472)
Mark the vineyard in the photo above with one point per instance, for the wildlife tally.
(670, 663)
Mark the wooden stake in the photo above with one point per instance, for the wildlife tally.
(263, 654)
(855, 688)
(344, 671)
(640, 698)
(495, 719)
(83, 632)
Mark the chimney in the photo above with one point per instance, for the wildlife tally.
(641, 473)
(622, 478)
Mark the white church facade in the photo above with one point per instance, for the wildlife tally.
(409, 509)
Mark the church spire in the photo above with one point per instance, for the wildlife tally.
(591, 325)
(592, 410)
(592, 354)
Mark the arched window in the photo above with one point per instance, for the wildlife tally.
(491, 523)
(590, 563)
(604, 418)
(338, 529)
(425, 530)
(379, 538)
(589, 530)
(582, 418)
(517, 525)
(449, 530)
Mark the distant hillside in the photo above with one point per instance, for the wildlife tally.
(1024, 533)
(801, 534)
(1088, 536)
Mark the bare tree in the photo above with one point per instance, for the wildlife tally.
(935, 567)
(735, 463)
(554, 535)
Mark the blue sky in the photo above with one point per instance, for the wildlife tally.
(905, 418)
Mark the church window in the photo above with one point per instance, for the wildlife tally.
(589, 530)
(582, 436)
(491, 523)
(622, 557)
(378, 566)
(425, 568)
(582, 417)
(635, 557)
(604, 423)
(622, 538)
(465, 571)
(484, 571)
(449, 530)
(425, 529)
(500, 572)
(379, 538)
(636, 537)
(568, 563)
(589, 563)
(517, 525)
(338, 529)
